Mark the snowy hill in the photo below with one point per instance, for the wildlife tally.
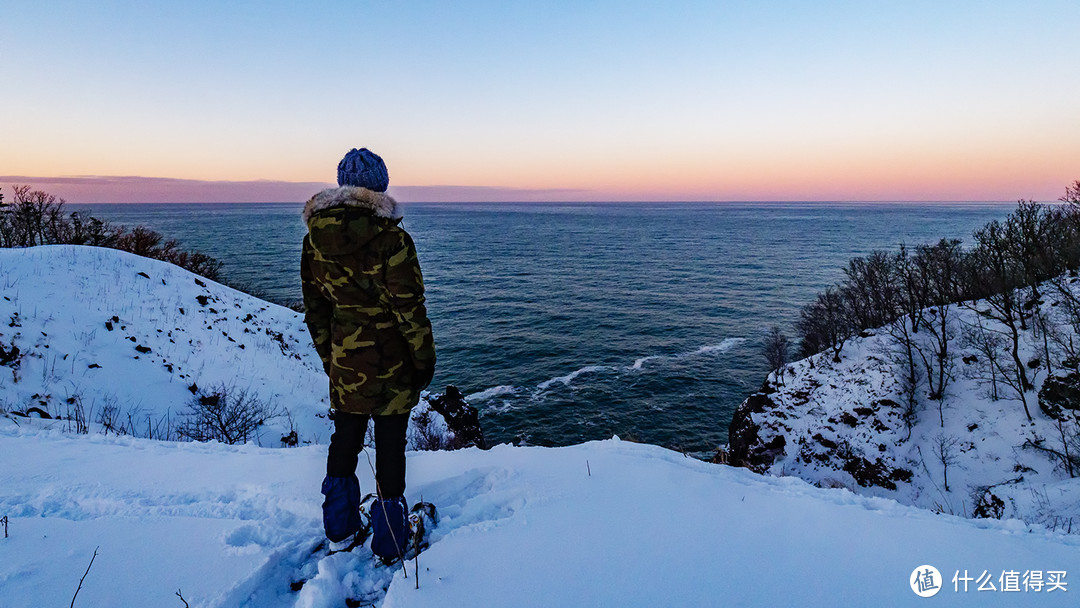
(99, 328)
(841, 424)
(104, 338)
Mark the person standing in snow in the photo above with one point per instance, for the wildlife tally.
(364, 306)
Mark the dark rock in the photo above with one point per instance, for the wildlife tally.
(828, 443)
(461, 418)
(876, 473)
(34, 410)
(1060, 393)
(142, 349)
(989, 506)
(746, 448)
(10, 356)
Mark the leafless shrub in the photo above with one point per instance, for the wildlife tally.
(77, 420)
(427, 436)
(109, 418)
(227, 414)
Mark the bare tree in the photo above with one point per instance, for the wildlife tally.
(825, 323)
(776, 349)
(997, 364)
(914, 292)
(1072, 193)
(941, 267)
(999, 275)
(944, 448)
(987, 366)
(1033, 241)
(902, 354)
(870, 286)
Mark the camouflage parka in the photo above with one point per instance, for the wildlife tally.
(364, 302)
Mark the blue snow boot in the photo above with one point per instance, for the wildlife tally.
(390, 532)
(341, 509)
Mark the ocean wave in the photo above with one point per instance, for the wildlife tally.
(568, 378)
(640, 362)
(494, 391)
(723, 346)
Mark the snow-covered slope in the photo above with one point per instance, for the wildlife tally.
(100, 328)
(601, 524)
(131, 343)
(840, 424)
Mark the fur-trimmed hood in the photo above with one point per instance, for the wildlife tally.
(379, 203)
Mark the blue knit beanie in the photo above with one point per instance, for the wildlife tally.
(363, 168)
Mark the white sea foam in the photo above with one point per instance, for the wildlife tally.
(568, 378)
(494, 391)
(638, 363)
(723, 346)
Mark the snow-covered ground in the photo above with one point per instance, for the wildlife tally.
(609, 523)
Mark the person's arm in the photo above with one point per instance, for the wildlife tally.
(405, 284)
(318, 311)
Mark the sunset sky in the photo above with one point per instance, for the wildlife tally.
(578, 100)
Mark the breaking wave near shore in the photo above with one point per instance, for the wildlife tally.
(614, 379)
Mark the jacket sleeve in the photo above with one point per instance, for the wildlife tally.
(318, 311)
(405, 284)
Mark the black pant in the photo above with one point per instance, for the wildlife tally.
(348, 440)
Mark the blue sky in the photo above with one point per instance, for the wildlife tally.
(591, 100)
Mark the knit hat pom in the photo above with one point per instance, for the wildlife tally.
(363, 168)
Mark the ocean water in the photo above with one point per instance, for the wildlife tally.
(569, 322)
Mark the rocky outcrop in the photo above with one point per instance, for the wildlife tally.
(746, 445)
(817, 427)
(1059, 397)
(462, 419)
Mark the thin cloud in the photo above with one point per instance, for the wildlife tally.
(485, 194)
(138, 189)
